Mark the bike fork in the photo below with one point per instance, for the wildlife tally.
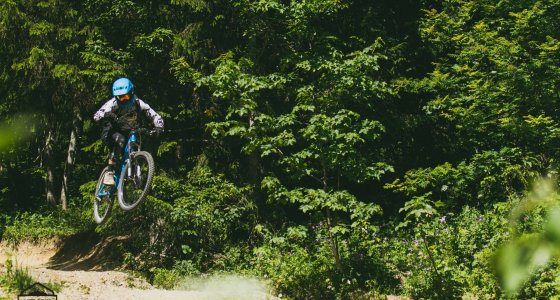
(129, 169)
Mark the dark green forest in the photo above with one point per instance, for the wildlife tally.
(339, 149)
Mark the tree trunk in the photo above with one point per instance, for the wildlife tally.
(70, 158)
(333, 240)
(254, 165)
(49, 165)
(254, 171)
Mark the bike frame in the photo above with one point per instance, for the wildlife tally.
(131, 146)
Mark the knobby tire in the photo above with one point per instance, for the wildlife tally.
(102, 206)
(132, 191)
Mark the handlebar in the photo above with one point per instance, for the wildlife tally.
(145, 131)
(150, 132)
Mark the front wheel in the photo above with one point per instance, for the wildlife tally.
(104, 197)
(136, 180)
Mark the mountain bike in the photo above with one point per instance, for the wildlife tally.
(133, 180)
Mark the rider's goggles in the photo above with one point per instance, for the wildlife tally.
(123, 98)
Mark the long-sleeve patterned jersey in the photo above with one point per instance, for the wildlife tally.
(128, 117)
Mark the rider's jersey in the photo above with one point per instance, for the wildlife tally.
(128, 117)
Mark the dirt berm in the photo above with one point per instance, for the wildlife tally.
(84, 265)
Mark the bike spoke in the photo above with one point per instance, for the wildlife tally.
(137, 181)
(134, 186)
(103, 199)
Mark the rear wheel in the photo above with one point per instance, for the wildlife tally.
(135, 186)
(104, 197)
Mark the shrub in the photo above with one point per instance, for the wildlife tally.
(450, 256)
(37, 226)
(16, 279)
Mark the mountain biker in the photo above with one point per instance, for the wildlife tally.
(121, 116)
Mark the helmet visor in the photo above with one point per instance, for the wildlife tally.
(123, 98)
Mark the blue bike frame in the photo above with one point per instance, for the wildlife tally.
(131, 140)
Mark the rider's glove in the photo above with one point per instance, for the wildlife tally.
(110, 116)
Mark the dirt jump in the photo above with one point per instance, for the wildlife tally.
(83, 270)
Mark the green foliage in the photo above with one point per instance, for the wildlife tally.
(495, 91)
(208, 215)
(164, 278)
(16, 279)
(104, 63)
(295, 266)
(12, 131)
(344, 149)
(184, 227)
(40, 226)
(489, 177)
(299, 263)
(534, 246)
(451, 252)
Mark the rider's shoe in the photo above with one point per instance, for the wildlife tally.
(108, 178)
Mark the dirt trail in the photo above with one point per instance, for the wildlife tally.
(85, 275)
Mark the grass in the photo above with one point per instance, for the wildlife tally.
(16, 279)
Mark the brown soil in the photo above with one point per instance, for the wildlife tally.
(83, 265)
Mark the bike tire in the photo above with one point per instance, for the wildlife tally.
(133, 189)
(102, 206)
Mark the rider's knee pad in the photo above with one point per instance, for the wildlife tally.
(119, 139)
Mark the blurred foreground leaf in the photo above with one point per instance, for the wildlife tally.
(517, 260)
(16, 129)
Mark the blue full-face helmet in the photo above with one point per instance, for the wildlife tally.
(123, 90)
